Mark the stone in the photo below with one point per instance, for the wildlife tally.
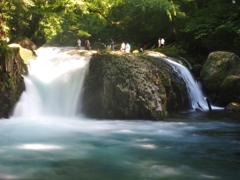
(233, 107)
(220, 74)
(142, 87)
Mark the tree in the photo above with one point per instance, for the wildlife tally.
(215, 28)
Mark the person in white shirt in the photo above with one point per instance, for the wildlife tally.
(123, 46)
(79, 43)
(162, 42)
(128, 48)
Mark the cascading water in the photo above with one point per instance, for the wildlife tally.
(197, 99)
(54, 84)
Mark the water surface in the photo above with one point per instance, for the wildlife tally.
(187, 146)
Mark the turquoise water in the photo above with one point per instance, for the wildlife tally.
(200, 145)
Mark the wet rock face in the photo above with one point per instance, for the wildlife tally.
(220, 75)
(128, 86)
(11, 80)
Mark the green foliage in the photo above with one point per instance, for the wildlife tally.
(5, 50)
(210, 25)
(216, 28)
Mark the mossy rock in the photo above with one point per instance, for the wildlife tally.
(230, 90)
(217, 67)
(130, 86)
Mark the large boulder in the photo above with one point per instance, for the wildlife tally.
(220, 76)
(230, 90)
(131, 86)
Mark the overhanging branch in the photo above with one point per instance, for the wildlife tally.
(103, 14)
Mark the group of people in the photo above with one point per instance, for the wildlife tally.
(86, 45)
(125, 47)
(161, 42)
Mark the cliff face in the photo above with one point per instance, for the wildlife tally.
(131, 86)
(11, 81)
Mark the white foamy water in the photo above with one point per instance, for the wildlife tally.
(54, 84)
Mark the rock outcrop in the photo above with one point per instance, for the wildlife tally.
(11, 80)
(221, 77)
(131, 86)
(233, 107)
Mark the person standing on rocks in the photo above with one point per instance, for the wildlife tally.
(88, 45)
(123, 46)
(79, 43)
(128, 48)
(112, 45)
(162, 42)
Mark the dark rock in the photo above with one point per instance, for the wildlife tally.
(233, 107)
(230, 90)
(131, 86)
(220, 75)
(196, 70)
(27, 44)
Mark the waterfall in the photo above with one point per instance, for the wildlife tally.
(198, 101)
(196, 96)
(54, 83)
(55, 80)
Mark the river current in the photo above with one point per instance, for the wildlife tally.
(54, 141)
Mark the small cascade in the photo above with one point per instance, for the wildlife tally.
(198, 100)
(54, 84)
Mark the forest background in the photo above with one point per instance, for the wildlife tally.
(190, 27)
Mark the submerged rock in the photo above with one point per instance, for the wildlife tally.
(130, 86)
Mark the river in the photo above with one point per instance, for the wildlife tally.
(45, 139)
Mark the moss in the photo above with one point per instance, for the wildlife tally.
(127, 84)
(165, 113)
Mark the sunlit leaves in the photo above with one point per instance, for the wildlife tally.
(47, 25)
(29, 3)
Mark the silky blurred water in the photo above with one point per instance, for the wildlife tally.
(192, 146)
(48, 138)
